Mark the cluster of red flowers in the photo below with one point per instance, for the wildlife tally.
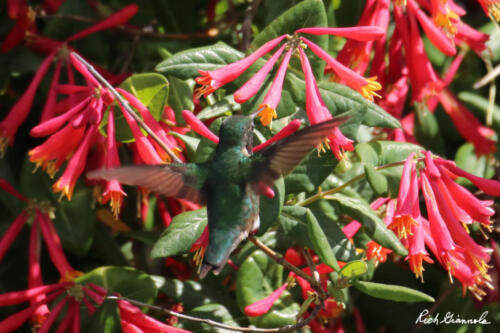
(67, 293)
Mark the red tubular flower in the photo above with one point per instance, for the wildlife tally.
(436, 35)
(263, 306)
(267, 109)
(376, 252)
(360, 33)
(198, 126)
(407, 211)
(145, 148)
(365, 87)
(76, 165)
(54, 247)
(417, 253)
(289, 129)
(12, 233)
(53, 315)
(488, 186)
(134, 315)
(25, 24)
(250, 88)
(213, 80)
(118, 18)
(114, 191)
(19, 112)
(491, 8)
(476, 40)
(467, 125)
(317, 111)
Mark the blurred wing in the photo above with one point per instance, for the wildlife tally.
(283, 156)
(182, 181)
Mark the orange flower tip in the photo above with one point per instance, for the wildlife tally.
(368, 91)
(198, 256)
(494, 10)
(402, 226)
(66, 190)
(4, 142)
(447, 21)
(400, 2)
(266, 114)
(204, 90)
(70, 276)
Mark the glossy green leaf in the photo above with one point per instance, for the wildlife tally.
(320, 242)
(392, 292)
(216, 312)
(426, 129)
(354, 269)
(376, 179)
(105, 319)
(270, 208)
(75, 222)
(254, 282)
(372, 224)
(339, 98)
(182, 232)
(226, 106)
(190, 142)
(311, 172)
(126, 281)
(180, 97)
(309, 13)
(186, 64)
(467, 159)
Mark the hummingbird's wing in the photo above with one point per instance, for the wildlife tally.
(283, 156)
(182, 181)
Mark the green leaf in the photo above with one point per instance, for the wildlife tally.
(35, 184)
(105, 319)
(180, 97)
(126, 281)
(75, 222)
(392, 292)
(254, 282)
(354, 269)
(217, 312)
(190, 142)
(320, 242)
(186, 64)
(225, 106)
(340, 98)
(467, 159)
(311, 172)
(152, 89)
(380, 153)
(270, 208)
(310, 13)
(426, 128)
(372, 224)
(376, 179)
(182, 232)
(293, 222)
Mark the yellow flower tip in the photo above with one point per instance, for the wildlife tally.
(402, 225)
(323, 146)
(116, 199)
(494, 10)
(70, 276)
(198, 256)
(368, 91)
(66, 190)
(267, 114)
(401, 2)
(447, 22)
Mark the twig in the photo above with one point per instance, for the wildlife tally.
(246, 27)
(127, 107)
(490, 77)
(210, 33)
(314, 272)
(280, 260)
(214, 323)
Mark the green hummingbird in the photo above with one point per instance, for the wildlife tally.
(229, 183)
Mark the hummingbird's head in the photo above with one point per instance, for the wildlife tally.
(237, 130)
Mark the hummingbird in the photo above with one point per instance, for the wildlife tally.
(228, 183)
